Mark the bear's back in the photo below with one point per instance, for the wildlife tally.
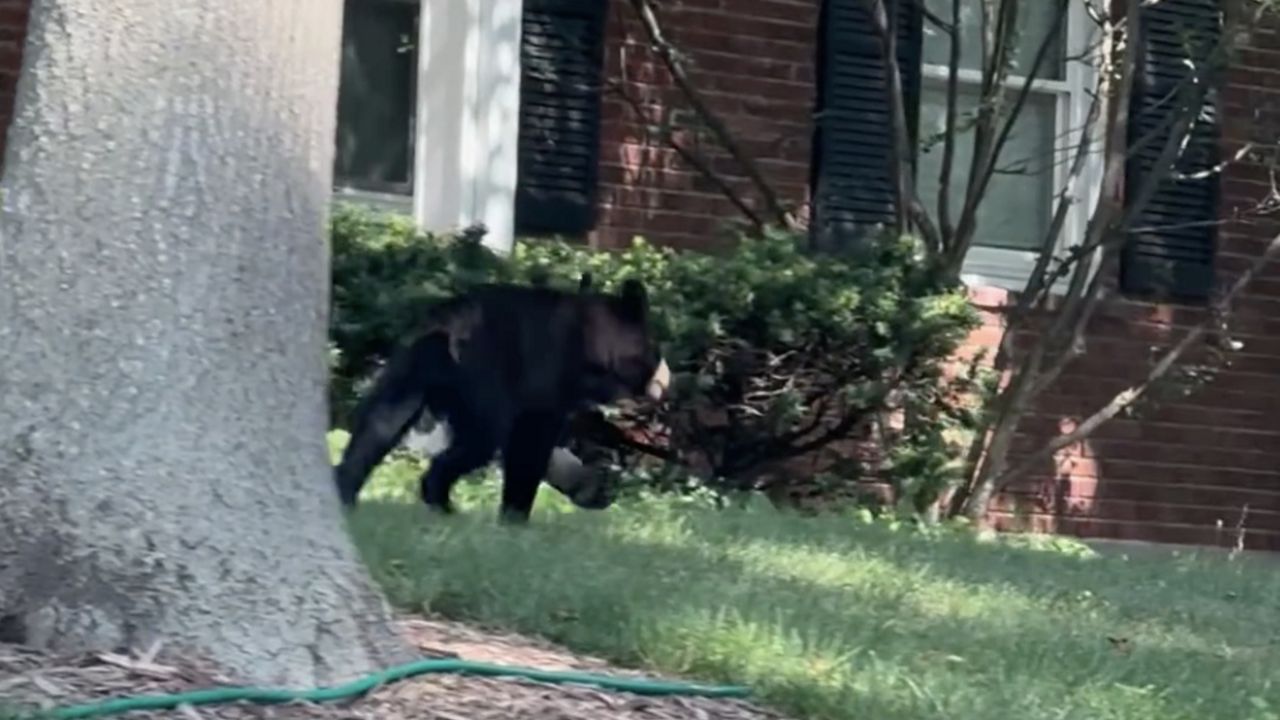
(526, 343)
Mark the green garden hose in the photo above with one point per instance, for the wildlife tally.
(399, 672)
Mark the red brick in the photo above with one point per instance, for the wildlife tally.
(1050, 491)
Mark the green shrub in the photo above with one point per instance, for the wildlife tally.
(386, 274)
(777, 352)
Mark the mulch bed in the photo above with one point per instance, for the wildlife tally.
(33, 680)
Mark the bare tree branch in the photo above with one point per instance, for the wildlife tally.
(1041, 280)
(1080, 307)
(665, 133)
(995, 38)
(1104, 222)
(899, 147)
(987, 148)
(949, 140)
(1104, 238)
(1009, 405)
(670, 57)
(1128, 396)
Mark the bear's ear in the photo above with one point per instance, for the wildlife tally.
(584, 284)
(635, 299)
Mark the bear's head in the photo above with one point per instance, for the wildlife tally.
(622, 356)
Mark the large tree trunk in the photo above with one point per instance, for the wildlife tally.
(163, 308)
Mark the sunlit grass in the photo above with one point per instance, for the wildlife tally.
(832, 618)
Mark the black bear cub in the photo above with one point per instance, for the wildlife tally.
(503, 367)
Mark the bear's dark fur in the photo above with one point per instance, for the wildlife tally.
(505, 366)
(587, 487)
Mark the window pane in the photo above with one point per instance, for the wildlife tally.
(1035, 19)
(376, 95)
(1015, 209)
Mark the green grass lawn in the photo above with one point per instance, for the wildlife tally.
(833, 618)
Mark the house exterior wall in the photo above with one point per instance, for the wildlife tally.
(752, 61)
(1188, 471)
(1196, 469)
(1193, 470)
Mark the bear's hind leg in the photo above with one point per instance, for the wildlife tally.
(469, 450)
(525, 459)
(415, 375)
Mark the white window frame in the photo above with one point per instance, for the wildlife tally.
(466, 121)
(1007, 268)
(401, 203)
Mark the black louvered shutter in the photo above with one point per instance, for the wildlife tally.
(851, 172)
(561, 58)
(1170, 249)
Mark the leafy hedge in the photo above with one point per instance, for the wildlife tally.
(777, 352)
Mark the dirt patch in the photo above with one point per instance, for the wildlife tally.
(33, 680)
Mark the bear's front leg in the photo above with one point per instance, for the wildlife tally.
(525, 458)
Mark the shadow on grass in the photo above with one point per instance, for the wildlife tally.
(1181, 587)
(854, 624)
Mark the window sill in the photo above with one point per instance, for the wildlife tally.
(393, 202)
(1006, 269)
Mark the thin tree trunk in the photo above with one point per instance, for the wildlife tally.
(163, 310)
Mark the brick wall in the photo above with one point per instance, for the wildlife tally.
(13, 30)
(1172, 476)
(752, 61)
(1197, 468)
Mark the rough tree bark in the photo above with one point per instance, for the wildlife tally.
(163, 306)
